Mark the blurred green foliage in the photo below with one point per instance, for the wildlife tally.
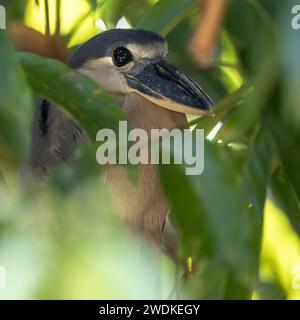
(62, 241)
(15, 104)
(72, 90)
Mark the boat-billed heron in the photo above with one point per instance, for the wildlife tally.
(130, 65)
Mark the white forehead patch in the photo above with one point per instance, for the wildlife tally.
(150, 51)
(102, 60)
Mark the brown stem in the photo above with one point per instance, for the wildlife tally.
(2, 180)
(47, 18)
(206, 35)
(58, 17)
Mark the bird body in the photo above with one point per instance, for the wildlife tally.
(131, 66)
(142, 205)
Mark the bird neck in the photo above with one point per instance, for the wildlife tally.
(146, 115)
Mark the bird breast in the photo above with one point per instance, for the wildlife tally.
(141, 204)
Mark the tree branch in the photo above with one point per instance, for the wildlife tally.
(47, 18)
(58, 17)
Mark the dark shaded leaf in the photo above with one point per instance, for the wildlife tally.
(226, 229)
(242, 119)
(289, 49)
(222, 108)
(93, 3)
(15, 101)
(253, 38)
(288, 148)
(285, 183)
(2, 180)
(209, 79)
(79, 95)
(285, 197)
(14, 9)
(271, 290)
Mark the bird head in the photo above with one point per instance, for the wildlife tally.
(127, 61)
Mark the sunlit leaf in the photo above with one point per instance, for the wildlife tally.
(112, 11)
(166, 14)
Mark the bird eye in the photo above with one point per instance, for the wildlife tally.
(121, 56)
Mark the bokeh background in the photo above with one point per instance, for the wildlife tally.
(240, 220)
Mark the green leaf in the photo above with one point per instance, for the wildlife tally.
(77, 94)
(255, 180)
(271, 290)
(93, 4)
(285, 183)
(112, 11)
(165, 15)
(288, 148)
(220, 216)
(289, 49)
(2, 181)
(209, 79)
(285, 197)
(255, 37)
(222, 108)
(14, 9)
(15, 102)
(242, 119)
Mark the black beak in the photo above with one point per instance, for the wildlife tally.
(164, 85)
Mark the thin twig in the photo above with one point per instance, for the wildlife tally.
(47, 18)
(58, 17)
(184, 277)
(2, 180)
(77, 25)
(204, 41)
